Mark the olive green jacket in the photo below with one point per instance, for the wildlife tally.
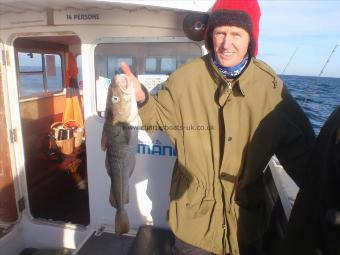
(225, 132)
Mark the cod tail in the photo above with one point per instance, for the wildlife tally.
(122, 224)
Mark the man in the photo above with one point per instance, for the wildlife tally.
(217, 191)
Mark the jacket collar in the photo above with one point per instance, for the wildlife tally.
(244, 81)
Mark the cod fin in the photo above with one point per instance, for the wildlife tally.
(122, 224)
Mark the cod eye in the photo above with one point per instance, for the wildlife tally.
(115, 99)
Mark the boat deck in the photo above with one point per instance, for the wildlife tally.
(149, 240)
(107, 243)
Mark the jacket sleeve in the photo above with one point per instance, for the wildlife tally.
(296, 139)
(158, 111)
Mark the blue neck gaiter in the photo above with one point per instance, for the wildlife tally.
(232, 72)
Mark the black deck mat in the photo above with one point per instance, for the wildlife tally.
(152, 241)
(106, 244)
(33, 251)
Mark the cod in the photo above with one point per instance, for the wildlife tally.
(119, 140)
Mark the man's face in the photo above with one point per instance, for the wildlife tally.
(230, 44)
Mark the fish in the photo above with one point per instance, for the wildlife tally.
(119, 140)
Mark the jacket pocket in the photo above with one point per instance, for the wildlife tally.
(196, 203)
(190, 198)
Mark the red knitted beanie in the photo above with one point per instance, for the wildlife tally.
(242, 13)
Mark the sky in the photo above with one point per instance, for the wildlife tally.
(296, 37)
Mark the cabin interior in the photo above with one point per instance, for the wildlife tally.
(55, 165)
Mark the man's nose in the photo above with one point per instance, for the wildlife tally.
(227, 41)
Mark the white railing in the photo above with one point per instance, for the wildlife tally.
(285, 186)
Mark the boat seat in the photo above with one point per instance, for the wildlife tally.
(152, 240)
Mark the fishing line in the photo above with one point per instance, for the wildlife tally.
(290, 60)
(310, 89)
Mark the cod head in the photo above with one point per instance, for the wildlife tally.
(121, 100)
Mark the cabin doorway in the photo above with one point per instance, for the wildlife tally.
(8, 208)
(51, 111)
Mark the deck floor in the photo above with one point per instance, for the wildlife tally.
(148, 241)
(106, 244)
(3, 231)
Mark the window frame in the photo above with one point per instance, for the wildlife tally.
(44, 93)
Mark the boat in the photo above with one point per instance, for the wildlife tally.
(54, 193)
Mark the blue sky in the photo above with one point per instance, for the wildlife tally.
(311, 29)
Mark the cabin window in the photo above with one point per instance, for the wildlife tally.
(114, 62)
(152, 62)
(80, 73)
(150, 65)
(39, 73)
(168, 65)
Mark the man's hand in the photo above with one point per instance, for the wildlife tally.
(140, 95)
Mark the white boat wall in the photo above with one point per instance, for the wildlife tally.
(100, 34)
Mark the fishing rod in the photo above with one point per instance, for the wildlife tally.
(321, 72)
(290, 60)
(336, 45)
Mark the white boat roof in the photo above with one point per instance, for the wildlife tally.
(18, 6)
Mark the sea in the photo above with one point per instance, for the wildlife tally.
(318, 96)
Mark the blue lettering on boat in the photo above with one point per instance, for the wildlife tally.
(157, 150)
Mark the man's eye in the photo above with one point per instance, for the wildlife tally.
(219, 34)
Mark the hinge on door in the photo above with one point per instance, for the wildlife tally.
(5, 57)
(21, 204)
(13, 133)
